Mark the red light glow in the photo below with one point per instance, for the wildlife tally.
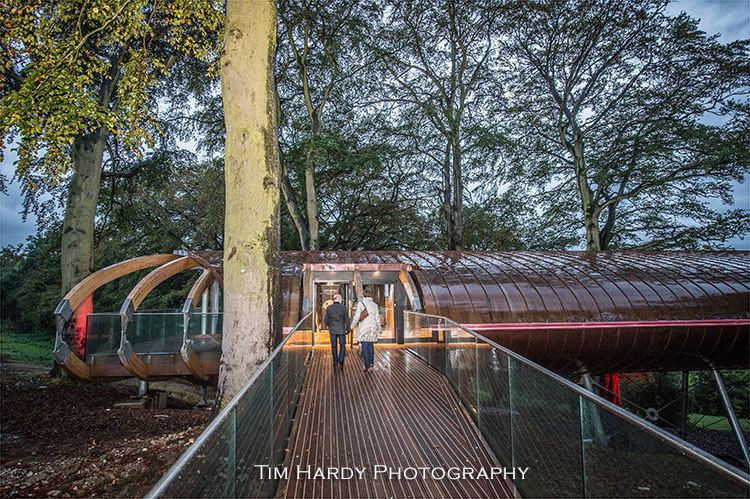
(78, 326)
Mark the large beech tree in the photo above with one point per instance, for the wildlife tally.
(437, 57)
(321, 61)
(640, 116)
(251, 169)
(77, 75)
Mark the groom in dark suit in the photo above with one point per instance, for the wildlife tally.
(337, 320)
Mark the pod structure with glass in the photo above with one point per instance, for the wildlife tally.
(569, 311)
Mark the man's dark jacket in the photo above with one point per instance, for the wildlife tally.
(337, 319)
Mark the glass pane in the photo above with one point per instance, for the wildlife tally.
(209, 473)
(425, 336)
(546, 434)
(654, 469)
(493, 401)
(102, 334)
(155, 332)
(202, 325)
(204, 330)
(288, 376)
(283, 398)
(461, 366)
(255, 438)
(253, 434)
(299, 347)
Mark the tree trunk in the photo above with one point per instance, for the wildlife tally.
(591, 223)
(312, 202)
(83, 192)
(458, 197)
(80, 209)
(447, 206)
(607, 231)
(77, 245)
(286, 188)
(293, 209)
(251, 230)
(590, 212)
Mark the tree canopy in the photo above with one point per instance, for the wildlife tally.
(71, 67)
(638, 115)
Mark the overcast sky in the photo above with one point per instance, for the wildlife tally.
(730, 18)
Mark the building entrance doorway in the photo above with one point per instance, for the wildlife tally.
(387, 284)
(382, 295)
(324, 292)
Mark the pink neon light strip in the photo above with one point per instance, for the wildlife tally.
(604, 325)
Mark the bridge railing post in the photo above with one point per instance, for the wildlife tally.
(734, 423)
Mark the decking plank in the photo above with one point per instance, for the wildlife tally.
(404, 414)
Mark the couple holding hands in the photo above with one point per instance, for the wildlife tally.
(367, 321)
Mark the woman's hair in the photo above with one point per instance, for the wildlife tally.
(368, 293)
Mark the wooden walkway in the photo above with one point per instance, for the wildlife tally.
(403, 415)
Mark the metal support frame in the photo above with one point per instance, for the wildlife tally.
(684, 401)
(202, 394)
(215, 298)
(142, 388)
(204, 312)
(733, 421)
(596, 420)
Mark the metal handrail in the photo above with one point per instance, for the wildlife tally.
(191, 451)
(141, 314)
(672, 440)
(117, 314)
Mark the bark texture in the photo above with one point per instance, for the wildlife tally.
(588, 204)
(251, 230)
(80, 209)
(83, 192)
(311, 203)
(299, 223)
(456, 238)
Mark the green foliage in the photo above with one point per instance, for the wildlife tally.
(444, 105)
(716, 422)
(27, 348)
(494, 225)
(654, 390)
(487, 99)
(30, 282)
(658, 390)
(636, 117)
(364, 197)
(11, 259)
(73, 66)
(174, 203)
(705, 396)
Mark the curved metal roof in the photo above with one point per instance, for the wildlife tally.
(502, 287)
(579, 311)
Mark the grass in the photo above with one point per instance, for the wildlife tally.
(716, 422)
(30, 348)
